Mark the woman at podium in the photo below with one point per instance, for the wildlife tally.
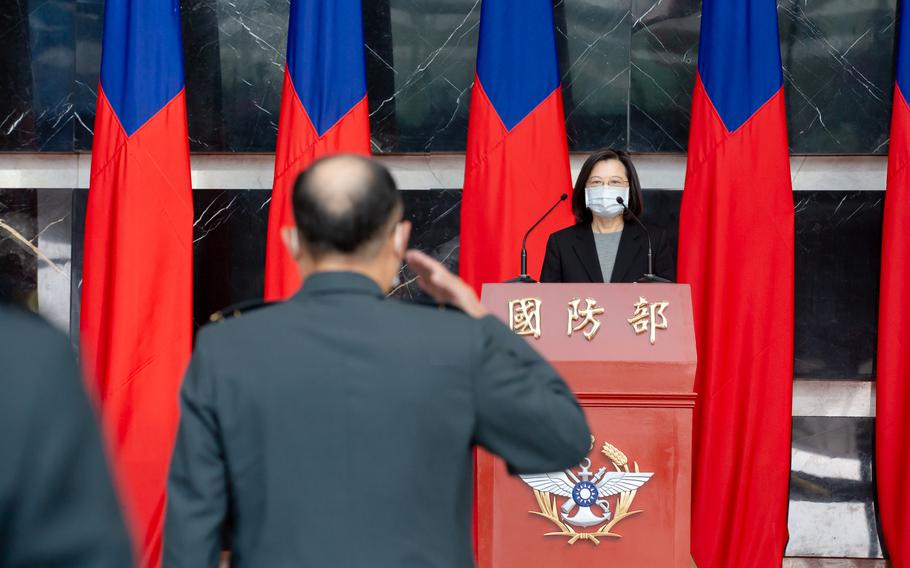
(608, 242)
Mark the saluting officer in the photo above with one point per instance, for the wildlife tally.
(337, 428)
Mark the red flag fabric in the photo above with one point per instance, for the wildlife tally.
(517, 160)
(324, 111)
(736, 251)
(136, 315)
(892, 396)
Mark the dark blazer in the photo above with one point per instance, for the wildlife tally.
(57, 500)
(337, 429)
(572, 256)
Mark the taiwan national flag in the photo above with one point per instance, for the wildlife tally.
(892, 396)
(137, 289)
(736, 251)
(324, 111)
(517, 160)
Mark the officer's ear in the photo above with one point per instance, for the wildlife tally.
(291, 239)
(401, 237)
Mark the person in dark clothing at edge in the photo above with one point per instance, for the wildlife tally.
(58, 506)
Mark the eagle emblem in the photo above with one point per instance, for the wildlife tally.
(586, 496)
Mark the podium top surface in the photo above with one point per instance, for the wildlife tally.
(602, 323)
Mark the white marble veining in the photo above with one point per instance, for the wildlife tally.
(838, 529)
(835, 563)
(833, 398)
(54, 241)
(429, 171)
(40, 170)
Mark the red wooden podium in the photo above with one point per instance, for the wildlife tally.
(628, 353)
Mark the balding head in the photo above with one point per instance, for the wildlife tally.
(345, 204)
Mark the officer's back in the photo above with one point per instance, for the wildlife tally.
(336, 429)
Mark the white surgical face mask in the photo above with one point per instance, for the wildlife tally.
(602, 200)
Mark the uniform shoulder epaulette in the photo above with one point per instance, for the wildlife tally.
(237, 310)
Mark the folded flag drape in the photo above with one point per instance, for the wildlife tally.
(137, 289)
(324, 111)
(892, 381)
(517, 161)
(736, 251)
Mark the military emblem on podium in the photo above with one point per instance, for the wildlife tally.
(586, 505)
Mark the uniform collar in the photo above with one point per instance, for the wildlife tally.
(338, 283)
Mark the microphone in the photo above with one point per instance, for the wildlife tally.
(523, 277)
(650, 276)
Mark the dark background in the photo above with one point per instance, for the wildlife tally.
(628, 68)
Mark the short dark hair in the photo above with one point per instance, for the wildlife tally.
(636, 201)
(372, 199)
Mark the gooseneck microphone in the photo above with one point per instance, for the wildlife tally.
(523, 277)
(650, 276)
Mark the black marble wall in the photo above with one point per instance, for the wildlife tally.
(838, 235)
(627, 66)
(838, 259)
(229, 245)
(838, 240)
(18, 261)
(37, 75)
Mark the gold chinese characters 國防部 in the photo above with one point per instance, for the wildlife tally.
(649, 317)
(525, 317)
(587, 315)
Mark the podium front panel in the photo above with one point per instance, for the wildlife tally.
(646, 354)
(652, 532)
(637, 396)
